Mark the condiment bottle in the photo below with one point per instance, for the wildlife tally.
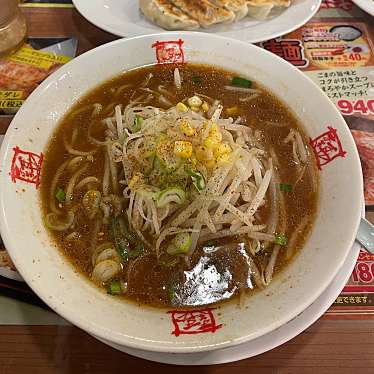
(12, 26)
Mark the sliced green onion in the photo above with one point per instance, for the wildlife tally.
(285, 187)
(196, 79)
(114, 288)
(197, 179)
(138, 121)
(280, 239)
(55, 222)
(60, 194)
(241, 82)
(180, 244)
(170, 195)
(121, 243)
(127, 242)
(123, 252)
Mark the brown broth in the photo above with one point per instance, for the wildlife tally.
(149, 282)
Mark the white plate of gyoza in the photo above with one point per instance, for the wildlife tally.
(248, 20)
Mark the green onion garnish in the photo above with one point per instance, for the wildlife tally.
(197, 179)
(285, 187)
(170, 195)
(138, 121)
(114, 288)
(280, 239)
(241, 82)
(118, 230)
(60, 194)
(196, 80)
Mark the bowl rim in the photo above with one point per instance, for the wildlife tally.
(131, 341)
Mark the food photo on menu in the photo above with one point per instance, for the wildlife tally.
(214, 163)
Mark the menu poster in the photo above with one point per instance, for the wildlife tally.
(22, 71)
(339, 9)
(20, 74)
(338, 55)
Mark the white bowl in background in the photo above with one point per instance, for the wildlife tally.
(55, 280)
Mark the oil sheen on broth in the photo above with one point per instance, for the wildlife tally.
(179, 185)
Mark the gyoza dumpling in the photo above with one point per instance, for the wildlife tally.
(166, 15)
(260, 9)
(205, 12)
(239, 7)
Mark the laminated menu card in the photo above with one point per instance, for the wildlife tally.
(336, 50)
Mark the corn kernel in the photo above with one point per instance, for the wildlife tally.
(205, 106)
(194, 101)
(210, 164)
(182, 108)
(223, 159)
(214, 127)
(183, 148)
(221, 149)
(204, 153)
(233, 111)
(186, 128)
(215, 135)
(211, 142)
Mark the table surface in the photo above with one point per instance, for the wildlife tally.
(328, 346)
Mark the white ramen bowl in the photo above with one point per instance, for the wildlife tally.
(55, 280)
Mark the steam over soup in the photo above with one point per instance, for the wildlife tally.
(179, 185)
